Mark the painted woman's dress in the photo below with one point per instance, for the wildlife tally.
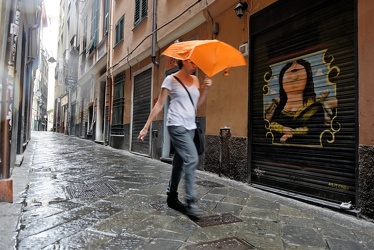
(307, 123)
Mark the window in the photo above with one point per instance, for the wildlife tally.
(119, 30)
(141, 10)
(106, 18)
(95, 17)
(118, 99)
(84, 42)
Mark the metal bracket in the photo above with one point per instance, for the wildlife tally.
(346, 205)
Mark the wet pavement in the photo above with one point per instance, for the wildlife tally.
(72, 193)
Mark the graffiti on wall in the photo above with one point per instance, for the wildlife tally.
(299, 101)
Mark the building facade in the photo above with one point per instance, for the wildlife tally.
(40, 95)
(317, 147)
(19, 46)
(66, 71)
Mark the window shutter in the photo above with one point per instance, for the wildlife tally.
(122, 27)
(137, 12)
(141, 9)
(106, 23)
(144, 8)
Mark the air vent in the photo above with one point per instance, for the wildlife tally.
(244, 49)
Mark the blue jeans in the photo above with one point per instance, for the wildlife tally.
(185, 159)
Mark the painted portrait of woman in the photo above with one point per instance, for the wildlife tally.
(297, 117)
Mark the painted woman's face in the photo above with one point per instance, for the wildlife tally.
(294, 79)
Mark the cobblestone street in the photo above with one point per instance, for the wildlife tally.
(81, 195)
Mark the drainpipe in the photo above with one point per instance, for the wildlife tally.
(34, 27)
(29, 87)
(109, 80)
(154, 33)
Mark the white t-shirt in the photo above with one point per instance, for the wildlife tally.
(181, 112)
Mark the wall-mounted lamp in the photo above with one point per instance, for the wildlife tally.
(48, 54)
(51, 59)
(215, 28)
(240, 8)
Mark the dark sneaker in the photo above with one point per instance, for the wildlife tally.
(174, 203)
(193, 211)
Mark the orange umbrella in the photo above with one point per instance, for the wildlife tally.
(211, 56)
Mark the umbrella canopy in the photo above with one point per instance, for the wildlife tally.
(211, 56)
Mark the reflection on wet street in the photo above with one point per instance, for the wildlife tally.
(76, 184)
(83, 195)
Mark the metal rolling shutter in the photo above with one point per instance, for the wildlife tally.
(323, 33)
(141, 110)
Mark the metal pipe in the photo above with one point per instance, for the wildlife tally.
(154, 33)
(224, 133)
(109, 78)
(69, 108)
(30, 85)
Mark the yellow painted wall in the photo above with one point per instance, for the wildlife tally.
(227, 103)
(366, 73)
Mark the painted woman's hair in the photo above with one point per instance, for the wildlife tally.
(308, 92)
